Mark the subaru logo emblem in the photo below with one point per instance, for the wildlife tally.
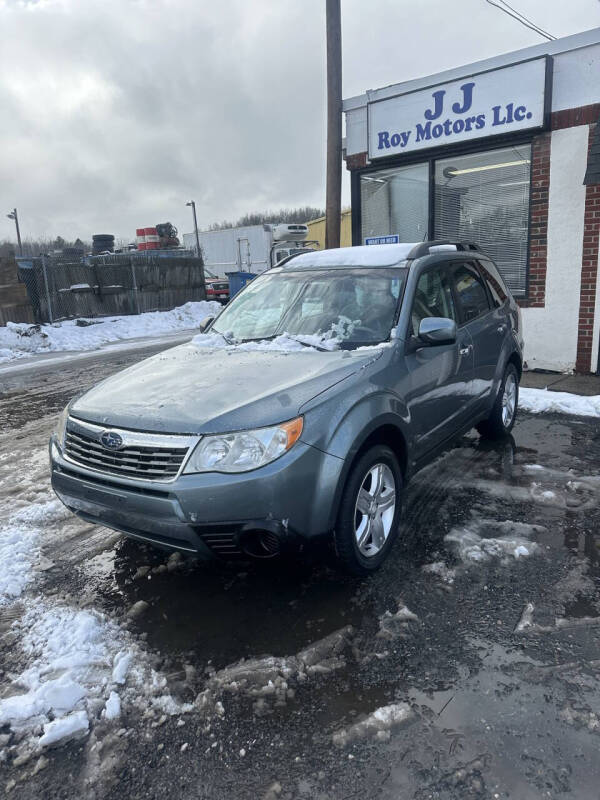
(111, 440)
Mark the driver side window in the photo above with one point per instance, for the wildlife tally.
(433, 298)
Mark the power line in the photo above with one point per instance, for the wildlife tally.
(521, 18)
(527, 20)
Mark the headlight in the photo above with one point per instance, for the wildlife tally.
(245, 450)
(62, 426)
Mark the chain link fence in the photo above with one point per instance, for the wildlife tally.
(61, 287)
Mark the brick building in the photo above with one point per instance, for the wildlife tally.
(504, 152)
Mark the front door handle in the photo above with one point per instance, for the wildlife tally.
(501, 328)
(464, 351)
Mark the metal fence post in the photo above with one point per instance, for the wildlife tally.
(135, 288)
(49, 304)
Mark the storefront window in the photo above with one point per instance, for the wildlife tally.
(484, 198)
(396, 202)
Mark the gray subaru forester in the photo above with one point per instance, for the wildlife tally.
(302, 410)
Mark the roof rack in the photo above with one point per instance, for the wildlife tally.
(439, 245)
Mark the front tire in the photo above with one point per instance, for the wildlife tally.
(504, 412)
(369, 514)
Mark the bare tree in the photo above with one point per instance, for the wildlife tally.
(301, 214)
(36, 247)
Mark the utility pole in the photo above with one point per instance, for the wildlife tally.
(192, 203)
(13, 215)
(333, 201)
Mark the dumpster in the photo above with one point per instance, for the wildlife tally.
(237, 281)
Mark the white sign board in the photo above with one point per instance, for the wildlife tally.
(501, 101)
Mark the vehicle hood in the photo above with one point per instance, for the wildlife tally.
(199, 390)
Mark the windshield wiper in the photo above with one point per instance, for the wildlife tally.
(227, 339)
(291, 336)
(314, 346)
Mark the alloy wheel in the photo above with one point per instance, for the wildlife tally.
(374, 510)
(509, 400)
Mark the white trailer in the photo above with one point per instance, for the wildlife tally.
(254, 248)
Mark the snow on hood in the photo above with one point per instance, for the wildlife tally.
(216, 387)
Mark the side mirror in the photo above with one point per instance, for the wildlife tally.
(205, 323)
(437, 330)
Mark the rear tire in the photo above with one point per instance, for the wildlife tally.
(504, 412)
(370, 510)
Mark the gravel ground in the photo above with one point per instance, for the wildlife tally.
(466, 668)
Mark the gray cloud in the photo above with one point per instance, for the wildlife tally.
(114, 113)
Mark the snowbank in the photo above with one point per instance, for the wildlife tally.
(542, 401)
(97, 663)
(20, 538)
(18, 340)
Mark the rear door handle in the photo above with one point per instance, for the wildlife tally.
(464, 351)
(501, 328)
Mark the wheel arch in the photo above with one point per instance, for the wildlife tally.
(383, 430)
(515, 358)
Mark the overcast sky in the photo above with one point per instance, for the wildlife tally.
(114, 113)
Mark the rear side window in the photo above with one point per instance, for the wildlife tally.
(494, 282)
(471, 292)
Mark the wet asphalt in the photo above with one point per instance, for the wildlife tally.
(495, 712)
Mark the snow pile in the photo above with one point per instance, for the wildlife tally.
(268, 677)
(527, 625)
(331, 339)
(21, 339)
(473, 542)
(20, 538)
(285, 343)
(18, 547)
(112, 709)
(392, 626)
(377, 724)
(552, 487)
(542, 401)
(442, 571)
(80, 666)
(59, 731)
(526, 620)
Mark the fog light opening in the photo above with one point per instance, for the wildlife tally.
(260, 544)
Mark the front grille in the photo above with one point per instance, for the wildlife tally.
(135, 461)
(110, 484)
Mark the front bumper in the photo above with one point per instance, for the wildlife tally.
(210, 513)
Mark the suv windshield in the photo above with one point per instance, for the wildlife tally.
(357, 306)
